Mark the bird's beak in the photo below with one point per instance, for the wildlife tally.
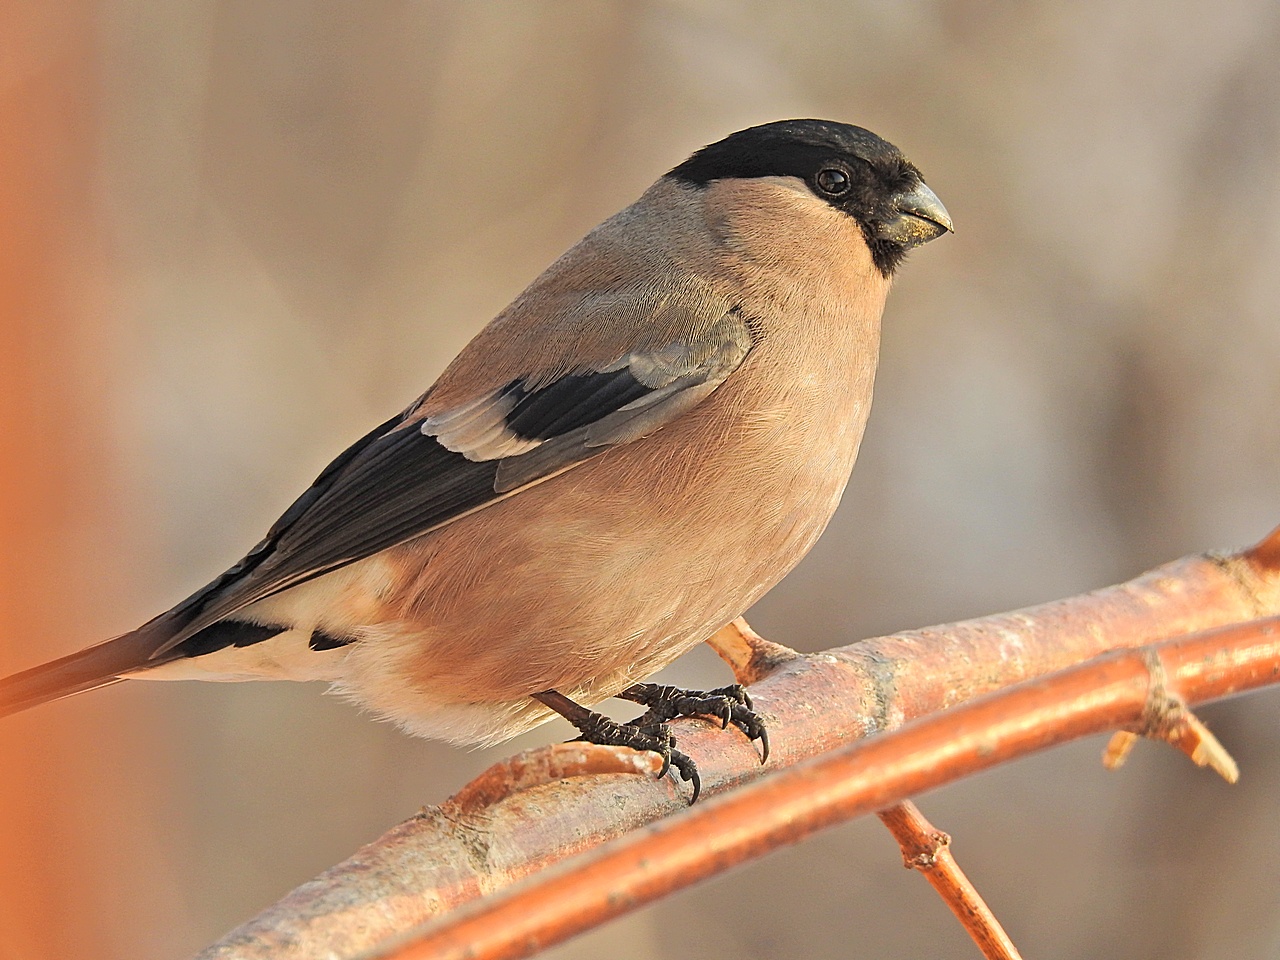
(921, 218)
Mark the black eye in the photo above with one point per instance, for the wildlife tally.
(833, 182)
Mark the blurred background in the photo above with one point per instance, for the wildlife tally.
(238, 234)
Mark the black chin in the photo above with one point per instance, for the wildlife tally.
(887, 255)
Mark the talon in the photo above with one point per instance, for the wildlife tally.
(666, 763)
(688, 771)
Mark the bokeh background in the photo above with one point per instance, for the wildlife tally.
(237, 234)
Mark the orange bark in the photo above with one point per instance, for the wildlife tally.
(929, 850)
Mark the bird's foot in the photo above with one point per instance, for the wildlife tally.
(730, 705)
(654, 737)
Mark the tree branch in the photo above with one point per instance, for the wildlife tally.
(928, 850)
(492, 835)
(786, 807)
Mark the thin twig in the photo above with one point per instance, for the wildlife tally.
(750, 656)
(928, 850)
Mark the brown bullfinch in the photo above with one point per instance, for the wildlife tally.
(623, 461)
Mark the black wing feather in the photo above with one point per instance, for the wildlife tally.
(406, 483)
(572, 401)
(400, 485)
(195, 604)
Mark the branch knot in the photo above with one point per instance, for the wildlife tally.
(1165, 716)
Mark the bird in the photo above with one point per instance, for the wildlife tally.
(627, 457)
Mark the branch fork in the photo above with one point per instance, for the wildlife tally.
(1167, 717)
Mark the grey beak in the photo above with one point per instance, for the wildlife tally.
(921, 218)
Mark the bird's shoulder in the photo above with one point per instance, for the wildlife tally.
(645, 281)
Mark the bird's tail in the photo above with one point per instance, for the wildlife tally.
(88, 669)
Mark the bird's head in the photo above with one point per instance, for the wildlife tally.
(850, 168)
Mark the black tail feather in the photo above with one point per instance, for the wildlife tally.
(97, 666)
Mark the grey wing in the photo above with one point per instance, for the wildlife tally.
(414, 474)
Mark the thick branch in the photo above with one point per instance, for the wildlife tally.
(1109, 691)
(452, 854)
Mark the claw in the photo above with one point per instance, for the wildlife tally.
(731, 705)
(666, 763)
(726, 714)
(688, 771)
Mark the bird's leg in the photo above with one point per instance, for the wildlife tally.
(731, 704)
(599, 729)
